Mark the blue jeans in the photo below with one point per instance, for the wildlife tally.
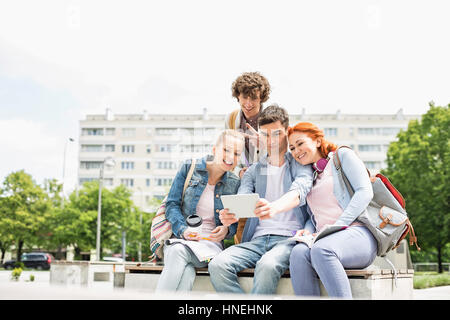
(268, 254)
(179, 269)
(352, 248)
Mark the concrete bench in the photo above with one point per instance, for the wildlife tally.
(99, 274)
(366, 283)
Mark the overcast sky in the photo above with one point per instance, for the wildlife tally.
(61, 60)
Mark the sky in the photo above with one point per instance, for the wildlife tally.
(61, 60)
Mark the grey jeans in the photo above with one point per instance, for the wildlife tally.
(179, 269)
(352, 248)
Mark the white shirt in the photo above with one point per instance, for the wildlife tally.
(282, 223)
(205, 209)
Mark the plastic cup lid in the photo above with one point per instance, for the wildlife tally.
(194, 221)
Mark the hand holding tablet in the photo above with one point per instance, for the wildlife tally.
(241, 205)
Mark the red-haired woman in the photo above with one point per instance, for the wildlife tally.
(328, 203)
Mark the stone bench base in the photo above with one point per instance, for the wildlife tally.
(365, 283)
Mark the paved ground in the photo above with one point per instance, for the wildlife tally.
(40, 288)
(435, 293)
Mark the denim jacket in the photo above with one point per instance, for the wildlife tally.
(356, 173)
(297, 177)
(177, 212)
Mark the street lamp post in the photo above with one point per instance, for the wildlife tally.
(64, 170)
(140, 222)
(109, 162)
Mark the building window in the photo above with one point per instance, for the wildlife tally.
(390, 131)
(369, 148)
(110, 148)
(128, 149)
(110, 131)
(127, 165)
(164, 148)
(163, 181)
(186, 131)
(148, 148)
(330, 132)
(166, 131)
(91, 148)
(127, 182)
(128, 132)
(166, 165)
(88, 165)
(210, 132)
(198, 148)
(147, 182)
(372, 164)
(387, 131)
(83, 180)
(147, 165)
(92, 131)
(368, 131)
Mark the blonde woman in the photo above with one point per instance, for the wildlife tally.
(212, 177)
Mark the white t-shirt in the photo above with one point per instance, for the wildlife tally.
(205, 209)
(282, 223)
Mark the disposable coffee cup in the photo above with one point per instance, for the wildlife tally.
(194, 223)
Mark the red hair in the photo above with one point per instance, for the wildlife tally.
(312, 131)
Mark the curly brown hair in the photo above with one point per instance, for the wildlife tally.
(249, 83)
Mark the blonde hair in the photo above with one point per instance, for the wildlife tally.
(229, 133)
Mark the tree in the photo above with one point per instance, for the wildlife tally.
(23, 211)
(418, 165)
(76, 224)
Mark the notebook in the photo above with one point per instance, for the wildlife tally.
(204, 250)
(309, 239)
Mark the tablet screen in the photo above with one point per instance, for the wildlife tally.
(242, 205)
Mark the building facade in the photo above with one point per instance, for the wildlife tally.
(148, 149)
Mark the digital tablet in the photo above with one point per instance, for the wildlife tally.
(242, 205)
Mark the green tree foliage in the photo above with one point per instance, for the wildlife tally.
(24, 210)
(418, 165)
(34, 216)
(76, 223)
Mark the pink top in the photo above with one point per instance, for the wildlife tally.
(205, 209)
(321, 199)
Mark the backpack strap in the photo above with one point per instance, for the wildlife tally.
(337, 162)
(232, 119)
(341, 174)
(188, 178)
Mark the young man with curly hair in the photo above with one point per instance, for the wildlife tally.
(251, 90)
(265, 243)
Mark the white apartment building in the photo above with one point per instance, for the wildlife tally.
(148, 149)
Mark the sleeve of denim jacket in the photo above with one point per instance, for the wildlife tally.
(173, 203)
(248, 181)
(303, 179)
(356, 173)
